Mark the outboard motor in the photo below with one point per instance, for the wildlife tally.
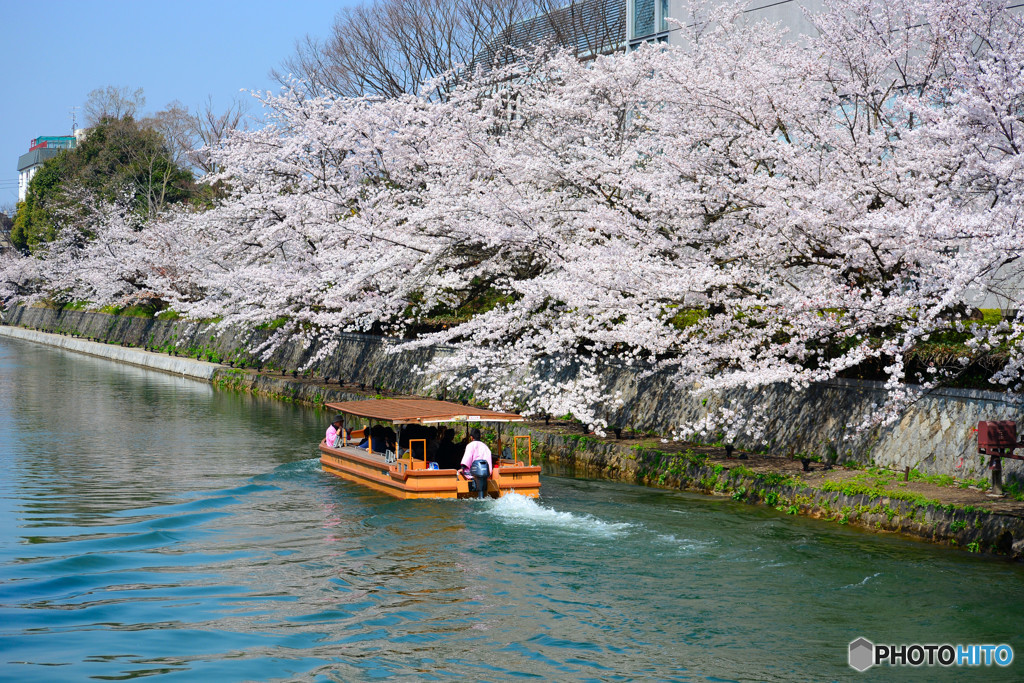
(480, 472)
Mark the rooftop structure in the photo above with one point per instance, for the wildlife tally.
(53, 142)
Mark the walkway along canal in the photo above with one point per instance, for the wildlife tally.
(873, 499)
(155, 526)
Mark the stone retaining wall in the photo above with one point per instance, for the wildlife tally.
(935, 435)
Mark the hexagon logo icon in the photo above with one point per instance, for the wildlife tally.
(862, 654)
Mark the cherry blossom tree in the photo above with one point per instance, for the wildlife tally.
(747, 211)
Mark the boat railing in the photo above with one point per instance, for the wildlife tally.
(412, 455)
(529, 448)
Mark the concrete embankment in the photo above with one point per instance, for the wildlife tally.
(965, 519)
(186, 367)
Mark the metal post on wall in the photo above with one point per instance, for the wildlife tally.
(996, 465)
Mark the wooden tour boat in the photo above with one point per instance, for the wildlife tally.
(410, 475)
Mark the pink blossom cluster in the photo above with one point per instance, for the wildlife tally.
(747, 210)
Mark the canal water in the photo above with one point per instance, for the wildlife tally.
(155, 527)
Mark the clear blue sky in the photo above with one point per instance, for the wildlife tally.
(53, 53)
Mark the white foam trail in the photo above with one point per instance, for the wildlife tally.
(517, 509)
(683, 544)
(866, 579)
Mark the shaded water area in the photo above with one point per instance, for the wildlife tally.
(152, 526)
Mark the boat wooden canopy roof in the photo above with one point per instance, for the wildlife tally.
(420, 411)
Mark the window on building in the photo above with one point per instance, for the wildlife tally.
(647, 21)
(643, 18)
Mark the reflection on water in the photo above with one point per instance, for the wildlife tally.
(153, 526)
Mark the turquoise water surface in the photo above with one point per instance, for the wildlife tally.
(152, 526)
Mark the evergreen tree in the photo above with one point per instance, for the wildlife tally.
(118, 157)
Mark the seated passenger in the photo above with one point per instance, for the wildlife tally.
(460, 447)
(384, 438)
(366, 440)
(447, 453)
(433, 443)
(335, 433)
(416, 445)
(411, 433)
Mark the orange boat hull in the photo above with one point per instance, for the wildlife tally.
(411, 479)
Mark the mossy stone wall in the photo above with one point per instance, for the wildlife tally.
(935, 435)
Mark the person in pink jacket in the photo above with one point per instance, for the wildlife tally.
(475, 450)
(334, 432)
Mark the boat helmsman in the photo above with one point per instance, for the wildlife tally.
(476, 450)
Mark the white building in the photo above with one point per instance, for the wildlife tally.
(593, 27)
(646, 20)
(41, 149)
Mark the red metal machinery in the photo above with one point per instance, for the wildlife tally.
(998, 439)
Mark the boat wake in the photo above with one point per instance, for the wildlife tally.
(684, 545)
(866, 579)
(296, 470)
(516, 509)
